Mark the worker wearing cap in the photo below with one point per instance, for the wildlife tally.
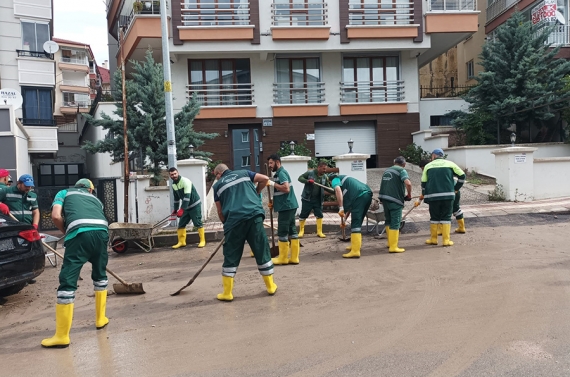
(21, 201)
(313, 197)
(438, 191)
(79, 215)
(354, 197)
(240, 210)
(285, 204)
(190, 209)
(4, 178)
(395, 182)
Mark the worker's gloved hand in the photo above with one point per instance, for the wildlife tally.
(35, 226)
(270, 204)
(408, 198)
(421, 197)
(417, 203)
(311, 181)
(342, 225)
(341, 212)
(180, 212)
(4, 209)
(456, 191)
(270, 183)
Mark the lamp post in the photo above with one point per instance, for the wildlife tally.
(513, 139)
(191, 147)
(350, 145)
(292, 147)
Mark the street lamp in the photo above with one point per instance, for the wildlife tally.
(191, 147)
(350, 145)
(292, 147)
(513, 139)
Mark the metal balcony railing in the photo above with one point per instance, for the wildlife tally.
(560, 36)
(84, 103)
(74, 82)
(67, 127)
(371, 91)
(310, 13)
(381, 13)
(222, 94)
(128, 14)
(452, 5)
(37, 122)
(298, 92)
(215, 13)
(444, 91)
(34, 54)
(71, 60)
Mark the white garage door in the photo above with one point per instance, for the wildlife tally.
(331, 138)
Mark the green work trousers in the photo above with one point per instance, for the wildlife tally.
(358, 212)
(194, 214)
(253, 232)
(440, 211)
(314, 205)
(90, 246)
(392, 215)
(457, 212)
(286, 225)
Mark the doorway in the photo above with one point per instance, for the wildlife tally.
(246, 147)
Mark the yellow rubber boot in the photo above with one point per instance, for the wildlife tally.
(271, 286)
(320, 228)
(295, 250)
(301, 228)
(433, 233)
(461, 228)
(394, 237)
(446, 235)
(439, 230)
(202, 235)
(63, 319)
(181, 238)
(251, 253)
(355, 243)
(100, 308)
(283, 251)
(228, 283)
(388, 236)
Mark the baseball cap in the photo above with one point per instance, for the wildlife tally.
(438, 152)
(4, 173)
(27, 180)
(85, 183)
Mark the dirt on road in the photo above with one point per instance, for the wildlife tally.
(495, 304)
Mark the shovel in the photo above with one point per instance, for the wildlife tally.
(403, 222)
(274, 249)
(342, 226)
(325, 187)
(123, 288)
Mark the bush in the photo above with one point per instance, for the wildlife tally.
(498, 194)
(414, 154)
(210, 177)
(301, 149)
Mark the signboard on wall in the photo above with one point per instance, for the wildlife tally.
(310, 136)
(520, 158)
(268, 122)
(357, 165)
(545, 11)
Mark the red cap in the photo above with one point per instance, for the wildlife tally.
(4, 173)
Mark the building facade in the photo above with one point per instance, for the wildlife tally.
(314, 71)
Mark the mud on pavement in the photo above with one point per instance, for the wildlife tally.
(496, 303)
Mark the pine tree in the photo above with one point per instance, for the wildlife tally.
(146, 127)
(522, 83)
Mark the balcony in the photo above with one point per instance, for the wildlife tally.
(73, 107)
(34, 54)
(560, 36)
(379, 19)
(298, 99)
(452, 16)
(498, 7)
(372, 97)
(294, 21)
(224, 100)
(79, 86)
(42, 138)
(215, 21)
(74, 64)
(142, 29)
(38, 122)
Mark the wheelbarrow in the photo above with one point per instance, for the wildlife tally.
(51, 241)
(141, 235)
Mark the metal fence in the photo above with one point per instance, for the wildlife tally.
(371, 92)
(381, 13)
(222, 94)
(443, 91)
(298, 92)
(215, 13)
(453, 5)
(310, 13)
(34, 54)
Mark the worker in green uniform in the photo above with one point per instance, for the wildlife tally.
(313, 197)
(21, 201)
(285, 204)
(354, 197)
(241, 212)
(395, 181)
(4, 178)
(78, 214)
(183, 190)
(438, 191)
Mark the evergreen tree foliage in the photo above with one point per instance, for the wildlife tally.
(522, 83)
(147, 132)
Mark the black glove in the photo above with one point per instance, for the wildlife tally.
(408, 198)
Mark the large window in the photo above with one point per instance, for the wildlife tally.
(298, 81)
(74, 56)
(371, 79)
(300, 12)
(60, 174)
(34, 35)
(221, 82)
(215, 12)
(76, 100)
(37, 107)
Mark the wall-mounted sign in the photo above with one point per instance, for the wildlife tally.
(545, 11)
(357, 165)
(268, 122)
(520, 158)
(310, 136)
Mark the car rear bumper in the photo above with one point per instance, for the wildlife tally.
(15, 269)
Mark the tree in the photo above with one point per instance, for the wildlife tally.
(146, 121)
(522, 83)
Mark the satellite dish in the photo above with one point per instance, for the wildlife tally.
(51, 47)
(12, 97)
(560, 17)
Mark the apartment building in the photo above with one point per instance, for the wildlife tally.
(313, 71)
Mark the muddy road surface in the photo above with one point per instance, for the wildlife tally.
(497, 303)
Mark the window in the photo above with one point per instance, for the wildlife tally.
(470, 70)
(380, 12)
(299, 13)
(371, 79)
(34, 35)
(60, 174)
(74, 57)
(76, 99)
(37, 107)
(440, 120)
(215, 12)
(221, 82)
(245, 137)
(245, 161)
(298, 81)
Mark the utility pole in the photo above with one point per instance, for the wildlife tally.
(125, 133)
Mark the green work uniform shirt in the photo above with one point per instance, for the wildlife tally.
(283, 201)
(185, 191)
(392, 187)
(91, 207)
(310, 191)
(437, 180)
(351, 189)
(21, 204)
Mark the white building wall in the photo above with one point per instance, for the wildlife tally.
(548, 182)
(32, 8)
(437, 106)
(101, 165)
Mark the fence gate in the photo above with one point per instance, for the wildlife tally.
(107, 193)
(45, 200)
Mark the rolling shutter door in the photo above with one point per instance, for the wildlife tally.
(331, 138)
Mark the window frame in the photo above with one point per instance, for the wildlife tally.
(470, 69)
(292, 85)
(37, 117)
(69, 182)
(215, 16)
(35, 23)
(355, 81)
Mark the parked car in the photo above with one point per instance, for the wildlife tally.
(22, 256)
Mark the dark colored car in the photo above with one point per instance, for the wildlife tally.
(22, 256)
